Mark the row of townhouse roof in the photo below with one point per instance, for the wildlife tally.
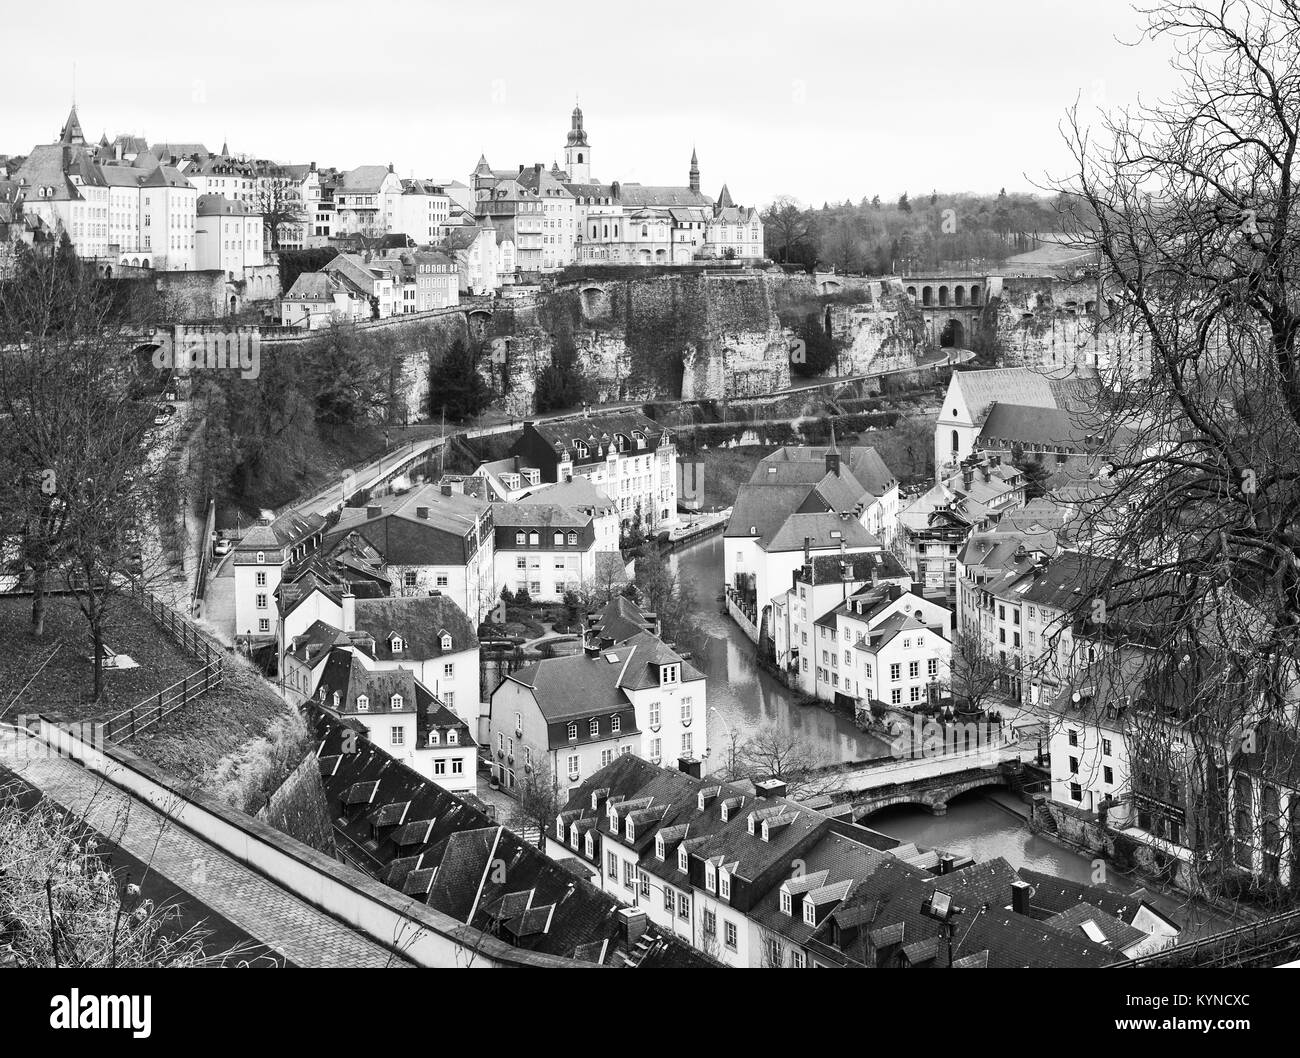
(759, 880)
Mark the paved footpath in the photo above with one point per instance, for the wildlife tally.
(262, 909)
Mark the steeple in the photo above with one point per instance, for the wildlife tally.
(724, 198)
(577, 151)
(695, 171)
(71, 132)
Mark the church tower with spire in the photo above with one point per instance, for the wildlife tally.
(577, 151)
(695, 171)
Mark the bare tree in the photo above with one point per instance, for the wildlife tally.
(281, 207)
(1189, 206)
(537, 802)
(786, 224)
(76, 415)
(776, 753)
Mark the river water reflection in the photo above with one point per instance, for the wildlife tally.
(744, 698)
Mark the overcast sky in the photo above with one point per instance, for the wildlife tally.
(823, 101)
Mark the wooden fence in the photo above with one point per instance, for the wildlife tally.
(157, 707)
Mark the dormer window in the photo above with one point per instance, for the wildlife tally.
(615, 724)
(724, 884)
(363, 703)
(453, 737)
(809, 913)
(787, 903)
(683, 860)
(261, 558)
(534, 539)
(711, 877)
(396, 644)
(751, 824)
(573, 732)
(659, 846)
(322, 695)
(434, 738)
(591, 844)
(559, 539)
(336, 699)
(519, 539)
(629, 829)
(593, 727)
(397, 702)
(559, 829)
(445, 641)
(669, 674)
(573, 539)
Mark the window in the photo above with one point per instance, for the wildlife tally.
(264, 624)
(606, 757)
(449, 670)
(654, 714)
(261, 580)
(1073, 736)
(408, 578)
(896, 696)
(440, 766)
(445, 641)
(1107, 775)
(1105, 747)
(683, 858)
(453, 737)
(397, 645)
(397, 736)
(669, 902)
(913, 669)
(710, 922)
(628, 874)
(573, 732)
(683, 906)
(787, 903)
(1074, 765)
(797, 959)
(729, 935)
(931, 667)
(363, 703)
(261, 602)
(593, 727)
(440, 581)
(1076, 792)
(611, 863)
(895, 671)
(724, 885)
(396, 703)
(688, 744)
(573, 766)
(687, 710)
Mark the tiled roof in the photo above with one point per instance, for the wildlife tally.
(448, 852)
(420, 621)
(1118, 935)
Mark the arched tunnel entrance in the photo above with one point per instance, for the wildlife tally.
(953, 335)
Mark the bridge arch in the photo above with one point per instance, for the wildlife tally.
(943, 295)
(975, 294)
(959, 295)
(830, 286)
(911, 293)
(953, 335)
(927, 295)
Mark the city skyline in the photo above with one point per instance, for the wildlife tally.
(857, 116)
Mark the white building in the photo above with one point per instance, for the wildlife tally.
(228, 237)
(259, 561)
(431, 538)
(573, 715)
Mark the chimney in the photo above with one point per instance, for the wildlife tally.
(422, 512)
(1020, 893)
(967, 477)
(631, 925)
(833, 463)
(946, 863)
(446, 488)
(591, 648)
(349, 612)
(373, 511)
(689, 766)
(770, 788)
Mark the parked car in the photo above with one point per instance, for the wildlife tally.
(221, 547)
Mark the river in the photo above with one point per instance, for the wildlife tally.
(743, 698)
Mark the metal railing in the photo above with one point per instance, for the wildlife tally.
(157, 707)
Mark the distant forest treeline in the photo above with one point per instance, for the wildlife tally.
(913, 233)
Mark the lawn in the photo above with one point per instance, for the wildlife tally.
(61, 688)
